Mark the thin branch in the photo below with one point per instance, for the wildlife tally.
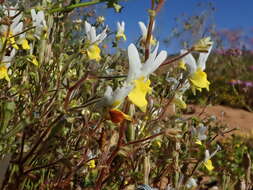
(77, 5)
(145, 139)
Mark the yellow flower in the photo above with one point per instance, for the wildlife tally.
(209, 165)
(199, 80)
(93, 52)
(121, 30)
(32, 59)
(178, 100)
(138, 94)
(4, 73)
(10, 40)
(91, 164)
(24, 43)
(100, 19)
(198, 142)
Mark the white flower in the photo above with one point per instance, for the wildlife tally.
(197, 77)
(191, 183)
(137, 69)
(207, 153)
(15, 27)
(144, 32)
(190, 61)
(39, 22)
(115, 98)
(91, 34)
(199, 133)
(121, 30)
(7, 59)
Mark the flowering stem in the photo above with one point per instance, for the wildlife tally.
(168, 61)
(77, 5)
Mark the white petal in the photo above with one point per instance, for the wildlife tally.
(87, 27)
(123, 26)
(153, 27)
(121, 93)
(108, 96)
(143, 29)
(207, 155)
(118, 26)
(8, 59)
(134, 63)
(101, 36)
(33, 14)
(152, 66)
(203, 58)
(16, 20)
(93, 36)
(190, 61)
(18, 28)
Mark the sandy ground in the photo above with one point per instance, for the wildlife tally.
(234, 118)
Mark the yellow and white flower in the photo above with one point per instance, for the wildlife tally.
(120, 30)
(191, 183)
(144, 32)
(39, 23)
(199, 133)
(207, 161)
(138, 74)
(16, 27)
(5, 64)
(197, 76)
(113, 100)
(93, 40)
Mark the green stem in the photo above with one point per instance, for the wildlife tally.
(77, 5)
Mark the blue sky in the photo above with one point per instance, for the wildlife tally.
(229, 14)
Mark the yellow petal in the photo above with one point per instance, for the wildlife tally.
(138, 94)
(120, 35)
(24, 44)
(152, 41)
(91, 164)
(116, 103)
(94, 53)
(180, 103)
(209, 165)
(33, 59)
(199, 80)
(198, 142)
(182, 65)
(4, 73)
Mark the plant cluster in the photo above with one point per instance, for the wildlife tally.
(74, 116)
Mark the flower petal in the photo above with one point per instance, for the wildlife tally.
(4, 73)
(117, 116)
(203, 58)
(143, 29)
(134, 63)
(209, 165)
(138, 95)
(94, 53)
(189, 60)
(199, 80)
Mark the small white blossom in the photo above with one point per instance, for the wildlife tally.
(137, 69)
(91, 34)
(39, 22)
(191, 183)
